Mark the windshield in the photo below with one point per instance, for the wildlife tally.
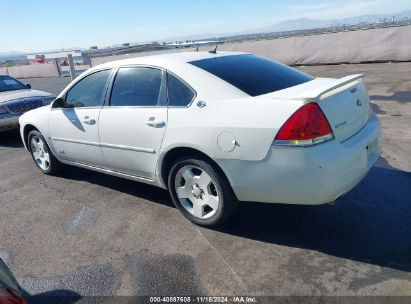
(8, 83)
(252, 74)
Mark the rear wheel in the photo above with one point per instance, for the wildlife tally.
(42, 155)
(201, 192)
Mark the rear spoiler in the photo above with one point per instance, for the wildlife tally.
(316, 94)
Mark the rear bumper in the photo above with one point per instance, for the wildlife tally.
(309, 176)
(8, 122)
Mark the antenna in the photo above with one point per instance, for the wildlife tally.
(215, 50)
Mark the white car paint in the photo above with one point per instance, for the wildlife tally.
(234, 129)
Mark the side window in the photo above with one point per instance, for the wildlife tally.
(88, 91)
(179, 94)
(137, 86)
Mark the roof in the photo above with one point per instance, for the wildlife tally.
(169, 58)
(177, 63)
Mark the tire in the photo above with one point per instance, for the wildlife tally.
(42, 155)
(205, 199)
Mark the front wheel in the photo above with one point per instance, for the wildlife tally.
(42, 155)
(201, 192)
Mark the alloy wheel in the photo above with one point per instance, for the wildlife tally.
(197, 191)
(40, 152)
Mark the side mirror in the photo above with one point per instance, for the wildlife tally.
(58, 103)
(28, 86)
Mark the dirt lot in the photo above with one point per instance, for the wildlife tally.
(85, 233)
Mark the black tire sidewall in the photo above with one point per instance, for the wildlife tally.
(227, 199)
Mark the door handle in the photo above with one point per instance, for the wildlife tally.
(88, 120)
(155, 123)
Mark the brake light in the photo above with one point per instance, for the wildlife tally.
(306, 127)
(8, 296)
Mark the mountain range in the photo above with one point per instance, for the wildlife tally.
(299, 24)
(14, 55)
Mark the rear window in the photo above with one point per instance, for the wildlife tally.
(252, 74)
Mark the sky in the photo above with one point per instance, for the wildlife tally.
(54, 24)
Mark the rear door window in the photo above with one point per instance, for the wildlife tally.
(137, 86)
(179, 93)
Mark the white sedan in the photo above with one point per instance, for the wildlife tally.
(17, 98)
(214, 128)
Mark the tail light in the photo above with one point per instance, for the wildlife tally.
(8, 296)
(306, 127)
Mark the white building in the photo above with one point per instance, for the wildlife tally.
(57, 56)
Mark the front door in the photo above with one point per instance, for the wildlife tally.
(133, 123)
(74, 128)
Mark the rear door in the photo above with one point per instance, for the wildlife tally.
(133, 121)
(74, 128)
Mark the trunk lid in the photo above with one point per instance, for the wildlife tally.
(344, 101)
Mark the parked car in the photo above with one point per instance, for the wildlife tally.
(213, 128)
(10, 290)
(17, 98)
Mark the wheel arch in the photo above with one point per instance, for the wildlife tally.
(173, 154)
(26, 130)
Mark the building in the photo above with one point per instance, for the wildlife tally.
(122, 50)
(82, 57)
(57, 56)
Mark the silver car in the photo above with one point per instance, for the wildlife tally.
(17, 98)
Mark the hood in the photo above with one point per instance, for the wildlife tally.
(18, 94)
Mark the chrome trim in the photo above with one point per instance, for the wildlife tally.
(82, 142)
(77, 108)
(134, 107)
(110, 172)
(140, 65)
(122, 147)
(201, 104)
(22, 98)
(103, 145)
(24, 104)
(304, 143)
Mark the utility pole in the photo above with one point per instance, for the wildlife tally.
(71, 64)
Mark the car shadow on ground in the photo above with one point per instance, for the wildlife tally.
(10, 139)
(370, 224)
(401, 96)
(140, 190)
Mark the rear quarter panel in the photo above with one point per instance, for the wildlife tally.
(252, 122)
